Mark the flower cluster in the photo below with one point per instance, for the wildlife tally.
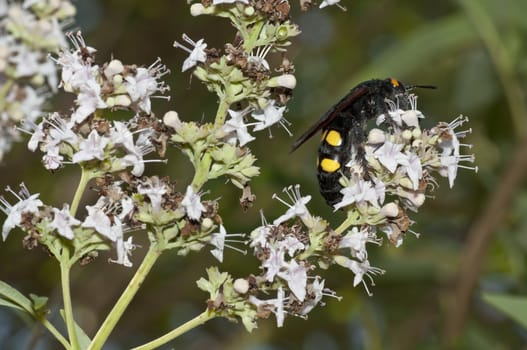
(29, 31)
(84, 137)
(176, 221)
(242, 75)
(400, 163)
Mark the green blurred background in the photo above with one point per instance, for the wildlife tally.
(473, 236)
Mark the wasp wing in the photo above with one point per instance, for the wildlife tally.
(328, 117)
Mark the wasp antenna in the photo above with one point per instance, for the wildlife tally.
(410, 87)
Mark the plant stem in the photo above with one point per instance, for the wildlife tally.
(221, 113)
(202, 171)
(350, 220)
(83, 182)
(187, 326)
(119, 308)
(65, 268)
(51, 328)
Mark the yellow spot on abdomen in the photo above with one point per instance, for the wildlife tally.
(333, 138)
(395, 82)
(329, 165)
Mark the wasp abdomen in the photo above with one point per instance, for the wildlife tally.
(334, 153)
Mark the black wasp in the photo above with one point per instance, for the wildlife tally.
(344, 129)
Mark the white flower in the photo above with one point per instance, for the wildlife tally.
(291, 244)
(297, 208)
(218, 2)
(329, 3)
(359, 191)
(140, 87)
(142, 147)
(145, 83)
(411, 164)
(26, 61)
(258, 58)
(360, 269)
(449, 168)
(154, 189)
(88, 101)
(124, 248)
(99, 221)
(121, 135)
(269, 116)
(26, 204)
(91, 148)
(197, 54)
(260, 234)
(316, 290)
(52, 160)
(218, 240)
(389, 155)
(274, 263)
(236, 124)
(356, 241)
(62, 221)
(276, 305)
(192, 204)
(450, 145)
(296, 276)
(60, 131)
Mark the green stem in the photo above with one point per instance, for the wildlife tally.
(65, 268)
(221, 113)
(350, 220)
(83, 182)
(502, 61)
(119, 308)
(202, 171)
(51, 328)
(196, 321)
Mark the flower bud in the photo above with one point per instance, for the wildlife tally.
(376, 136)
(197, 9)
(171, 118)
(249, 11)
(241, 286)
(110, 102)
(117, 79)
(390, 210)
(285, 80)
(123, 100)
(411, 117)
(418, 199)
(38, 80)
(416, 133)
(113, 68)
(206, 224)
(406, 135)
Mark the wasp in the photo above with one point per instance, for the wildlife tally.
(344, 126)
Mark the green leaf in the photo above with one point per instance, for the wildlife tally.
(11, 297)
(10, 304)
(82, 337)
(39, 305)
(513, 306)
